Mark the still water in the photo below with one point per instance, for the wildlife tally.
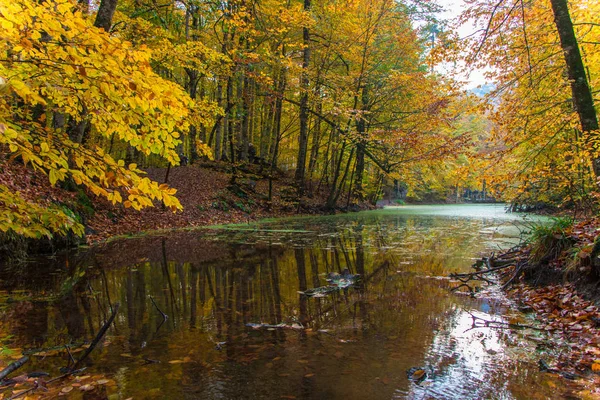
(357, 343)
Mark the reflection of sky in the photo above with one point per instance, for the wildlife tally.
(462, 362)
(450, 234)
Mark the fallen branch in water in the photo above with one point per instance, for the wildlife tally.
(70, 371)
(478, 273)
(471, 290)
(165, 316)
(515, 275)
(13, 366)
(43, 384)
(36, 351)
(71, 358)
(479, 322)
(514, 259)
(256, 326)
(98, 337)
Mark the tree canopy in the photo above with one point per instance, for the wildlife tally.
(346, 94)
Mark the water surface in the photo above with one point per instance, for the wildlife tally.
(354, 344)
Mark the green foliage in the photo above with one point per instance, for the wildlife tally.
(242, 207)
(84, 203)
(220, 205)
(550, 241)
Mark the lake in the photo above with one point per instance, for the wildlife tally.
(238, 325)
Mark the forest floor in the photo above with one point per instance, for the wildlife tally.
(206, 191)
(209, 196)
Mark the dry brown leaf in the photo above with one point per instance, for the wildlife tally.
(87, 388)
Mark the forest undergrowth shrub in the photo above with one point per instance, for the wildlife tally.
(551, 247)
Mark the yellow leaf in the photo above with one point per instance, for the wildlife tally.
(53, 176)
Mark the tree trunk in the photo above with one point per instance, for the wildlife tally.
(333, 193)
(267, 128)
(333, 202)
(314, 152)
(278, 111)
(245, 125)
(218, 128)
(303, 139)
(192, 88)
(582, 95)
(229, 121)
(361, 129)
(106, 10)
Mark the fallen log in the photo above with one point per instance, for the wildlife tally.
(476, 273)
(479, 322)
(13, 366)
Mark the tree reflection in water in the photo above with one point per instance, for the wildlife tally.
(355, 343)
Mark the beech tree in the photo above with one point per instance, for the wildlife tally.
(582, 95)
(339, 94)
(545, 134)
(54, 62)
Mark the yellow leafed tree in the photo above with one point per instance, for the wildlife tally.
(61, 78)
(547, 156)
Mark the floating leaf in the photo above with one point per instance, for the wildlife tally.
(87, 388)
(67, 389)
(416, 374)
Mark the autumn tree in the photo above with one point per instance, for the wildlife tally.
(582, 95)
(335, 92)
(544, 129)
(54, 62)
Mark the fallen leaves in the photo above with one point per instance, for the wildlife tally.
(37, 388)
(204, 191)
(416, 374)
(182, 361)
(565, 314)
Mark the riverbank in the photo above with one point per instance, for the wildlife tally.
(553, 279)
(210, 196)
(211, 193)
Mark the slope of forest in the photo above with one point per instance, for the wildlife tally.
(206, 190)
(210, 197)
(342, 94)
